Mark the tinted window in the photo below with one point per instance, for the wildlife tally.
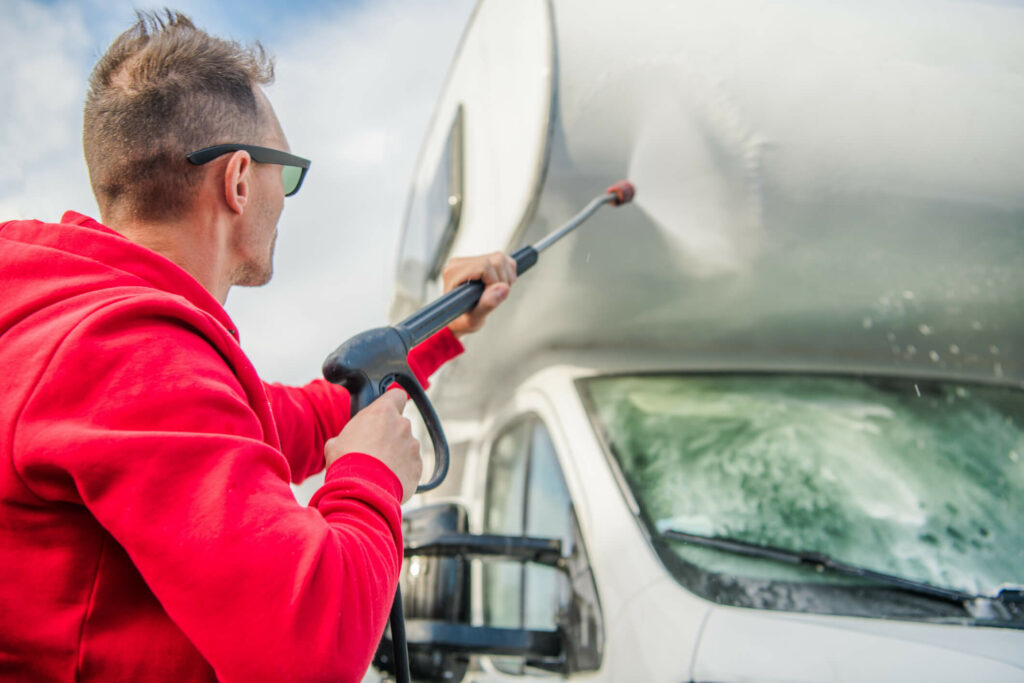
(526, 495)
(433, 218)
(505, 496)
(548, 515)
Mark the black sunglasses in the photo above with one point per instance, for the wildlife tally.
(293, 168)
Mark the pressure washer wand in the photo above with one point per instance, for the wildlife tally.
(464, 298)
(370, 362)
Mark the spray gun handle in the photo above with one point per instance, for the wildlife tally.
(369, 363)
(433, 424)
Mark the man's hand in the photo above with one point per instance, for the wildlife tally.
(381, 431)
(498, 272)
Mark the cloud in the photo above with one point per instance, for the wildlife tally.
(45, 55)
(356, 85)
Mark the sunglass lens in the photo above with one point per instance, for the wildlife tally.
(292, 176)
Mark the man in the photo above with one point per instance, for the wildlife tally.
(147, 527)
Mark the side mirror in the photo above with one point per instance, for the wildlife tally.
(435, 588)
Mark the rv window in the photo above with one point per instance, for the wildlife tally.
(432, 220)
(920, 479)
(548, 515)
(506, 484)
(526, 494)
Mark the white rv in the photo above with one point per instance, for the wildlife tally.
(767, 422)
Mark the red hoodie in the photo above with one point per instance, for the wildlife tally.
(147, 528)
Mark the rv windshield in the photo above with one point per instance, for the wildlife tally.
(923, 480)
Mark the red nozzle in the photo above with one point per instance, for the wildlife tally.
(623, 191)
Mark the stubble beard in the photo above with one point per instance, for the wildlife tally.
(257, 273)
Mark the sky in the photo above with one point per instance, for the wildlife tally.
(356, 84)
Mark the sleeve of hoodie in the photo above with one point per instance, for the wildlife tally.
(308, 416)
(141, 420)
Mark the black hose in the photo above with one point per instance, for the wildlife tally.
(398, 642)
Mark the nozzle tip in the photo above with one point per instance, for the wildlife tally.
(623, 191)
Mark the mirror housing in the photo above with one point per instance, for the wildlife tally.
(435, 583)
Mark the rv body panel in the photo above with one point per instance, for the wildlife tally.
(815, 183)
(792, 647)
(823, 190)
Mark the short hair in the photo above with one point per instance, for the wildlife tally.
(163, 89)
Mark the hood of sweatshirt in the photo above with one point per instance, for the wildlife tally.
(87, 256)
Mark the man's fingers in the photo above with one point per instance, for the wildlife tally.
(490, 269)
(396, 397)
(383, 433)
(490, 274)
(491, 298)
(506, 267)
(510, 269)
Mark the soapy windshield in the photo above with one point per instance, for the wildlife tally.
(923, 480)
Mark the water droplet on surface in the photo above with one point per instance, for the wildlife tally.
(962, 393)
(1014, 456)
(976, 325)
(934, 355)
(891, 336)
(908, 295)
(997, 370)
(588, 257)
(867, 323)
(918, 390)
(911, 350)
(954, 349)
(994, 350)
(924, 329)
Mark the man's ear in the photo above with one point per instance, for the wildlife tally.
(238, 181)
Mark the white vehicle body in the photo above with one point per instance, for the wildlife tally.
(828, 188)
(655, 630)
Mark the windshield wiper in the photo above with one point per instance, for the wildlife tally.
(820, 561)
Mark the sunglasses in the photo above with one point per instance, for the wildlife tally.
(293, 168)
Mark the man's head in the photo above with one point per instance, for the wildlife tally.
(163, 90)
